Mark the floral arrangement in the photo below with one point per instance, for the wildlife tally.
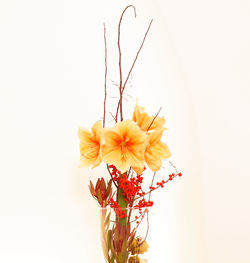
(127, 149)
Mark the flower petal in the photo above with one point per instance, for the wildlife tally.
(97, 130)
(154, 165)
(146, 122)
(90, 146)
(111, 137)
(124, 146)
(155, 137)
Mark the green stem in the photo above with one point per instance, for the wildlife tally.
(123, 204)
(123, 226)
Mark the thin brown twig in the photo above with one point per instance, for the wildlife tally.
(154, 119)
(147, 209)
(130, 212)
(137, 218)
(105, 79)
(120, 62)
(142, 216)
(131, 69)
(146, 235)
(117, 110)
(112, 115)
(137, 55)
(173, 166)
(129, 171)
(152, 185)
(154, 188)
(147, 229)
(147, 213)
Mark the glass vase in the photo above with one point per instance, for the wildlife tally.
(124, 233)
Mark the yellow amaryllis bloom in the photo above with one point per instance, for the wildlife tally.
(146, 122)
(124, 146)
(90, 144)
(156, 151)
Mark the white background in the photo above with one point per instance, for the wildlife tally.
(195, 64)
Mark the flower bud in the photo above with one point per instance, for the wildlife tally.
(101, 192)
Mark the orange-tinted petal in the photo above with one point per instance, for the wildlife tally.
(154, 164)
(97, 130)
(156, 151)
(111, 137)
(138, 170)
(155, 137)
(124, 145)
(146, 122)
(90, 145)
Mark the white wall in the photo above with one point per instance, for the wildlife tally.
(195, 64)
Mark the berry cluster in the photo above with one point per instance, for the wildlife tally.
(131, 186)
(132, 191)
(143, 204)
(115, 173)
(161, 183)
(118, 210)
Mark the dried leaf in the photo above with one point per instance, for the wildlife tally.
(109, 189)
(132, 236)
(92, 189)
(102, 185)
(99, 197)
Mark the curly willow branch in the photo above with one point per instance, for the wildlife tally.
(122, 86)
(120, 61)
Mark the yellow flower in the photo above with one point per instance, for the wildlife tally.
(146, 122)
(134, 259)
(138, 246)
(124, 146)
(156, 151)
(90, 145)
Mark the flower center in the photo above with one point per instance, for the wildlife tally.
(123, 146)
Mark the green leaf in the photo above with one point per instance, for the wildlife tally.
(99, 196)
(109, 239)
(107, 220)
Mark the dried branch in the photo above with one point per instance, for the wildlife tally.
(112, 115)
(117, 110)
(131, 69)
(173, 166)
(149, 192)
(152, 185)
(105, 79)
(154, 119)
(146, 235)
(138, 52)
(120, 62)
(142, 217)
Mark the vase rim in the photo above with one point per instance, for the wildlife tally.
(126, 208)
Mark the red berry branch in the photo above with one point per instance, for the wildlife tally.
(132, 190)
